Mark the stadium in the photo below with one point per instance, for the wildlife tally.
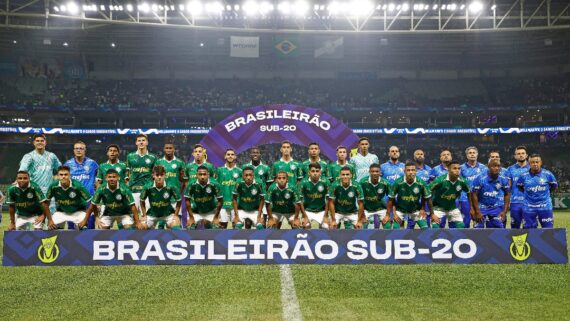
(369, 160)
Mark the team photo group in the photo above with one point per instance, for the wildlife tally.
(356, 192)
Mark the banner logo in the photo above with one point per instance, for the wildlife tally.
(48, 252)
(520, 249)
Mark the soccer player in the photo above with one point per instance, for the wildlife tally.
(443, 168)
(314, 157)
(161, 196)
(469, 171)
(446, 189)
(191, 170)
(375, 189)
(139, 168)
(341, 161)
(422, 170)
(537, 185)
(174, 168)
(515, 171)
(392, 169)
(41, 165)
(207, 197)
(282, 202)
(287, 164)
(313, 191)
(119, 205)
(485, 197)
(494, 155)
(71, 199)
(408, 196)
(261, 171)
(83, 170)
(27, 206)
(248, 200)
(363, 159)
(228, 176)
(343, 199)
(114, 163)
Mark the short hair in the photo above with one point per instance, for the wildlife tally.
(315, 165)
(345, 168)
(254, 147)
(38, 135)
(229, 149)
(470, 148)
(494, 151)
(363, 139)
(314, 144)
(285, 142)
(112, 145)
(535, 155)
(281, 172)
(493, 161)
(23, 172)
(419, 149)
(393, 146)
(247, 168)
(159, 170)
(111, 171)
(410, 163)
(374, 165)
(142, 135)
(453, 162)
(80, 142)
(521, 147)
(64, 168)
(341, 147)
(169, 143)
(445, 149)
(202, 167)
(197, 146)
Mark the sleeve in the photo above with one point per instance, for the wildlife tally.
(10, 196)
(98, 197)
(144, 194)
(49, 195)
(465, 187)
(393, 190)
(188, 192)
(476, 187)
(359, 193)
(236, 189)
(434, 184)
(273, 173)
(99, 176)
(297, 196)
(25, 163)
(213, 171)
(219, 193)
(55, 164)
(376, 160)
(39, 194)
(268, 198)
(128, 164)
(426, 191)
(505, 185)
(552, 180)
(432, 175)
(331, 192)
(83, 192)
(129, 195)
(175, 195)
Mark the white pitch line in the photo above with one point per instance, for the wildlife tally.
(291, 310)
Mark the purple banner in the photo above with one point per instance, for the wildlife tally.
(275, 123)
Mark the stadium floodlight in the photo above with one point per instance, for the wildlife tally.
(63, 8)
(493, 7)
(391, 7)
(154, 7)
(250, 8)
(334, 8)
(384, 7)
(144, 8)
(476, 7)
(398, 7)
(266, 7)
(214, 8)
(361, 7)
(195, 8)
(129, 7)
(405, 7)
(426, 7)
(56, 9)
(102, 7)
(113, 45)
(461, 7)
(72, 8)
(237, 7)
(452, 7)
(300, 8)
(65, 44)
(434, 7)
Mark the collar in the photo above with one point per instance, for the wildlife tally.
(207, 183)
(281, 159)
(415, 180)
(112, 190)
(286, 186)
(142, 155)
(118, 161)
(230, 168)
(154, 186)
(173, 159)
(539, 172)
(349, 185)
(25, 188)
(474, 166)
(370, 181)
(447, 179)
(70, 185)
(345, 163)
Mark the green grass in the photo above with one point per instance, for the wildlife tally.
(339, 292)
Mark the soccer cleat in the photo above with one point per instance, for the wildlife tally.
(259, 226)
(239, 226)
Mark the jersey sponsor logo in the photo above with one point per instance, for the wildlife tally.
(491, 194)
(81, 177)
(118, 197)
(520, 248)
(315, 196)
(142, 169)
(72, 194)
(449, 197)
(48, 252)
(320, 188)
(30, 195)
(416, 190)
(166, 195)
(409, 198)
(208, 190)
(393, 177)
(537, 188)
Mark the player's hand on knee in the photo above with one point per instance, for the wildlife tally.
(51, 225)
(306, 223)
(11, 227)
(40, 219)
(141, 225)
(435, 219)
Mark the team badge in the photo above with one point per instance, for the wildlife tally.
(321, 188)
(542, 180)
(208, 190)
(235, 175)
(86, 168)
(166, 195)
(147, 161)
(380, 190)
(254, 192)
(260, 172)
(72, 194)
(174, 166)
(293, 167)
(30, 195)
(118, 169)
(351, 194)
(118, 197)
(458, 188)
(287, 196)
(498, 186)
(416, 190)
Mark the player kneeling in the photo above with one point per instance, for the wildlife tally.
(27, 205)
(248, 199)
(343, 197)
(282, 203)
(375, 188)
(160, 199)
(409, 195)
(446, 189)
(119, 205)
(313, 192)
(206, 195)
(71, 198)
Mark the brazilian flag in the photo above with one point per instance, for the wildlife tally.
(286, 46)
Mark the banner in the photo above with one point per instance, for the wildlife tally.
(244, 47)
(561, 201)
(97, 247)
(329, 47)
(286, 46)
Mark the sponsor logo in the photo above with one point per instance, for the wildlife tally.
(520, 248)
(48, 252)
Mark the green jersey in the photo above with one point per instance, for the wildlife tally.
(71, 199)
(408, 196)
(120, 167)
(160, 199)
(228, 179)
(262, 172)
(333, 171)
(174, 171)
(191, 170)
(374, 194)
(305, 168)
(140, 170)
(27, 200)
(282, 200)
(117, 202)
(314, 195)
(346, 198)
(445, 192)
(205, 197)
(292, 168)
(249, 196)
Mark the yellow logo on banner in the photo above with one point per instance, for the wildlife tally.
(520, 249)
(48, 252)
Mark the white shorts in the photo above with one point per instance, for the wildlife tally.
(346, 217)
(137, 198)
(207, 216)
(316, 216)
(414, 216)
(452, 216)
(252, 215)
(226, 214)
(151, 221)
(381, 214)
(280, 216)
(107, 221)
(62, 217)
(23, 223)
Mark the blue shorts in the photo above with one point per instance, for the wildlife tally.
(533, 215)
(517, 210)
(491, 218)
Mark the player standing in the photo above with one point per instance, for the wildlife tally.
(469, 171)
(261, 171)
(363, 159)
(314, 157)
(113, 162)
(490, 213)
(515, 171)
(228, 176)
(191, 170)
(341, 161)
(287, 164)
(139, 168)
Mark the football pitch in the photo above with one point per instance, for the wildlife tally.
(318, 292)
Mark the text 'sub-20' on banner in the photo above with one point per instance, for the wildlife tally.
(284, 247)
